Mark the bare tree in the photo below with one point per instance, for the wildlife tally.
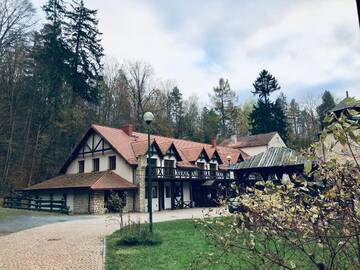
(141, 87)
(16, 21)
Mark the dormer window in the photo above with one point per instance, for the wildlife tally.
(96, 164)
(170, 152)
(112, 163)
(153, 150)
(81, 165)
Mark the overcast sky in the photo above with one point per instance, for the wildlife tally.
(309, 46)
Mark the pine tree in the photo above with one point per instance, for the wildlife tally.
(327, 104)
(268, 116)
(280, 119)
(84, 38)
(209, 125)
(52, 55)
(260, 118)
(223, 101)
(176, 111)
(264, 85)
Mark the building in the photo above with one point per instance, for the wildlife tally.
(254, 144)
(111, 159)
(330, 148)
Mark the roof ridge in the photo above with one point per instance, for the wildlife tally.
(104, 173)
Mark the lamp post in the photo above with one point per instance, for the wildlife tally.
(228, 157)
(148, 118)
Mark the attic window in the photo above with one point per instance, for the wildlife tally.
(170, 152)
(153, 150)
(81, 166)
(96, 163)
(112, 163)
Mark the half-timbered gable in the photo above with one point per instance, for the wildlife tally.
(94, 153)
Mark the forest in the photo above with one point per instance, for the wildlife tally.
(56, 80)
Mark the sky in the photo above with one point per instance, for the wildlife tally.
(309, 46)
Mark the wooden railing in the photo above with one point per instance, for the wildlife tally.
(180, 173)
(23, 202)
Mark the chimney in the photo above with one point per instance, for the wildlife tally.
(233, 139)
(213, 142)
(128, 129)
(347, 94)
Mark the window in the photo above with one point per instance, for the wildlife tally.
(112, 163)
(201, 166)
(169, 168)
(167, 192)
(96, 165)
(81, 166)
(213, 169)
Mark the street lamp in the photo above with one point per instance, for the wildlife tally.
(148, 118)
(228, 159)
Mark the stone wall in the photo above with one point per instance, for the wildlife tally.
(129, 207)
(97, 203)
(140, 181)
(81, 202)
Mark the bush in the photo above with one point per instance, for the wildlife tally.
(135, 234)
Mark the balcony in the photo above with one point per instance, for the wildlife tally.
(166, 173)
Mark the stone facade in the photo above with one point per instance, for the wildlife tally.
(97, 203)
(81, 202)
(129, 207)
(140, 181)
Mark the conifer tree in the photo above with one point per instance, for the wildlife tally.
(268, 116)
(223, 101)
(209, 125)
(52, 54)
(176, 111)
(83, 37)
(327, 104)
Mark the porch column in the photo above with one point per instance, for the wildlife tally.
(182, 193)
(172, 189)
(161, 195)
(140, 181)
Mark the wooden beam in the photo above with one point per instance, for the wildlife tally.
(172, 191)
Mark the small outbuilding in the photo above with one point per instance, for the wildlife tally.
(273, 163)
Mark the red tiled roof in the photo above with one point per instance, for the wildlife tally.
(131, 147)
(119, 140)
(189, 149)
(94, 180)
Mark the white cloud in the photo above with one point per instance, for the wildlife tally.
(306, 44)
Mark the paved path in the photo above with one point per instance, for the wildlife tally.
(76, 244)
(18, 223)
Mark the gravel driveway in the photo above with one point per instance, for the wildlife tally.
(74, 244)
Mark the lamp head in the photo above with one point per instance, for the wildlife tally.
(148, 117)
(228, 158)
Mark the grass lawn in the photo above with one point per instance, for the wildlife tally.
(181, 243)
(10, 212)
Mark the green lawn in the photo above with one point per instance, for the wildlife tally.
(181, 243)
(10, 212)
